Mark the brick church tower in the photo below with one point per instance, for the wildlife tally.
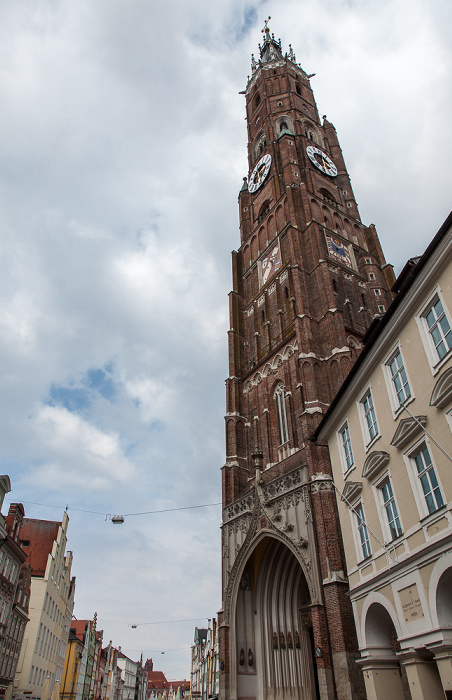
(308, 279)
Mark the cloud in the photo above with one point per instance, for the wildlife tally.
(122, 152)
(78, 455)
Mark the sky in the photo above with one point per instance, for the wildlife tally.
(123, 147)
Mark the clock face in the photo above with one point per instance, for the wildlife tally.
(321, 161)
(338, 250)
(259, 173)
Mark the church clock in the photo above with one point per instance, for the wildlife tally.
(321, 161)
(260, 172)
(302, 300)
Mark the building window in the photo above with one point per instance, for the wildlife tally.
(370, 418)
(280, 397)
(399, 380)
(362, 531)
(390, 507)
(377, 292)
(381, 309)
(427, 478)
(346, 448)
(438, 327)
(371, 275)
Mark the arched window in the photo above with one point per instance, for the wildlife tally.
(281, 412)
(260, 145)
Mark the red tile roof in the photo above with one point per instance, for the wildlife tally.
(156, 679)
(79, 627)
(41, 535)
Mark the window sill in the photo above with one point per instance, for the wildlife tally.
(431, 517)
(397, 411)
(372, 442)
(349, 471)
(440, 363)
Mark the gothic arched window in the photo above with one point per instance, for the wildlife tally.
(281, 412)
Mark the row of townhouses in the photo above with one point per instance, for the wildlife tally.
(205, 670)
(46, 654)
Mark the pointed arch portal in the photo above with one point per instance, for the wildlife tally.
(273, 636)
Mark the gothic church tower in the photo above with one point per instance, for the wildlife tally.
(308, 279)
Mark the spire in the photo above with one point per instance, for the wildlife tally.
(271, 49)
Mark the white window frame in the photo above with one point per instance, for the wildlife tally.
(382, 482)
(346, 467)
(362, 545)
(367, 436)
(435, 361)
(449, 419)
(397, 407)
(410, 459)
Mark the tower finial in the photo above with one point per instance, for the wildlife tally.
(266, 30)
(271, 49)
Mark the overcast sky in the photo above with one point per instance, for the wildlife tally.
(122, 152)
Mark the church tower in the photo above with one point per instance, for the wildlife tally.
(308, 280)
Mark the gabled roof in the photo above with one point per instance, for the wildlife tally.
(79, 627)
(40, 534)
(156, 679)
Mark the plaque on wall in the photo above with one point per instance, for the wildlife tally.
(411, 603)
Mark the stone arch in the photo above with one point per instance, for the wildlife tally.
(444, 600)
(253, 248)
(277, 362)
(262, 238)
(336, 378)
(327, 194)
(347, 226)
(230, 437)
(440, 575)
(319, 385)
(326, 216)
(345, 366)
(284, 125)
(271, 228)
(270, 636)
(312, 133)
(267, 370)
(259, 145)
(308, 380)
(263, 211)
(246, 255)
(381, 604)
(280, 218)
(241, 435)
(380, 631)
(315, 210)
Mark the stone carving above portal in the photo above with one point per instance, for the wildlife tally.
(243, 505)
(284, 484)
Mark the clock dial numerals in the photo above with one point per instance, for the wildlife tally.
(321, 161)
(259, 173)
